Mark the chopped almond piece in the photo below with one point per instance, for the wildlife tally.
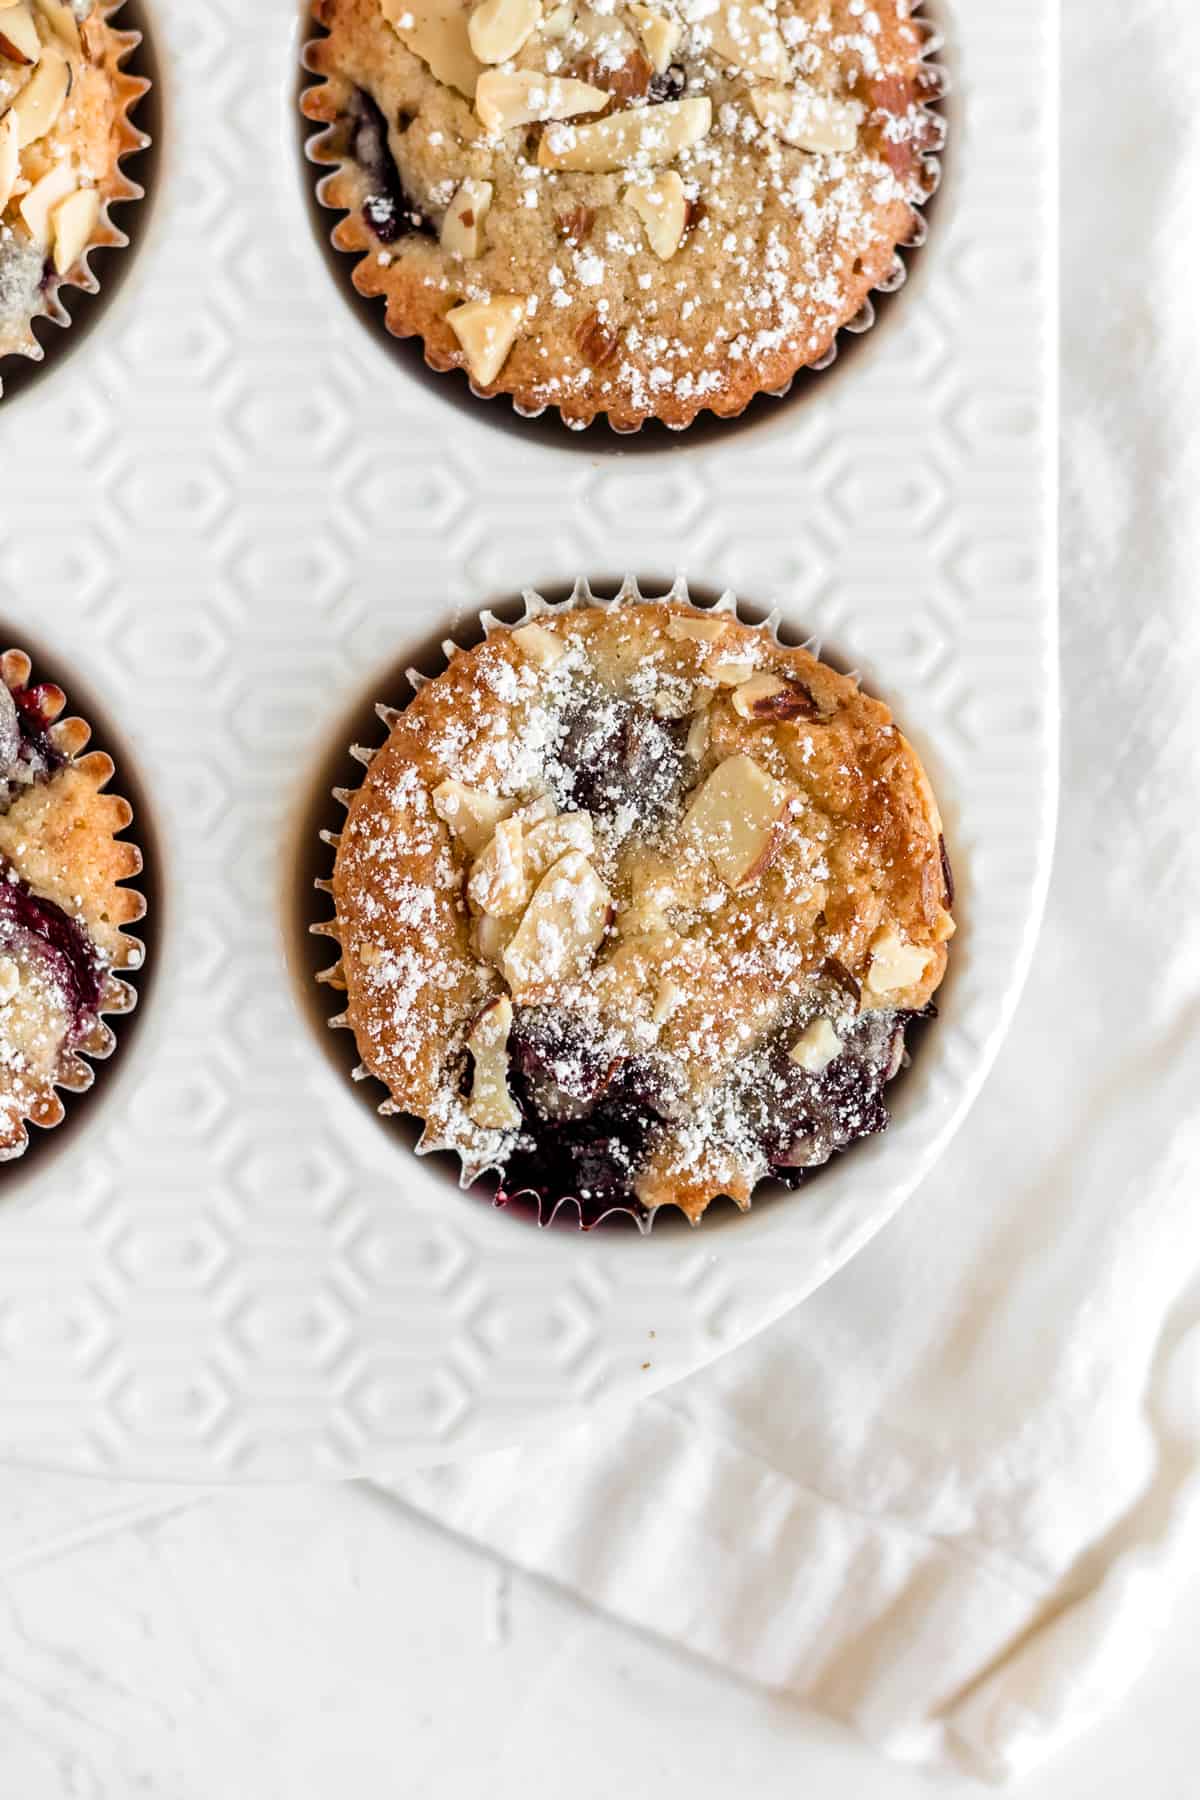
(546, 843)
(816, 1047)
(19, 40)
(462, 227)
(63, 21)
(774, 697)
(562, 927)
(545, 648)
(437, 32)
(498, 28)
(40, 101)
(662, 208)
(649, 136)
(745, 34)
(73, 222)
(506, 99)
(728, 674)
(703, 628)
(737, 820)
(668, 1000)
(895, 964)
(659, 34)
(499, 883)
(10, 157)
(471, 814)
(697, 737)
(806, 119)
(42, 199)
(491, 1105)
(487, 330)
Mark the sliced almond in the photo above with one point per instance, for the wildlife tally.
(662, 207)
(729, 674)
(532, 812)
(702, 628)
(507, 98)
(737, 819)
(10, 157)
(806, 119)
(462, 227)
(487, 330)
(659, 34)
(545, 648)
(43, 197)
(745, 33)
(816, 1047)
(767, 696)
(19, 39)
(556, 24)
(697, 737)
(491, 937)
(40, 101)
(499, 882)
(649, 136)
(491, 1105)
(63, 22)
(437, 32)
(667, 1001)
(562, 926)
(73, 223)
(498, 28)
(471, 814)
(548, 842)
(895, 964)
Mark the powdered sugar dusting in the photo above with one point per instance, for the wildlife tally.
(666, 926)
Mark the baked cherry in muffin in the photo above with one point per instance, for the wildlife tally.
(62, 908)
(635, 905)
(645, 210)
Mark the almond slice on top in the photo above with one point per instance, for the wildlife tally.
(437, 32)
(737, 819)
(487, 331)
(648, 137)
(806, 119)
(491, 1105)
(561, 930)
(507, 98)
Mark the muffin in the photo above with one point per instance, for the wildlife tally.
(62, 908)
(643, 210)
(635, 906)
(63, 131)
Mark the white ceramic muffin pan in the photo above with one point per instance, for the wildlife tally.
(228, 521)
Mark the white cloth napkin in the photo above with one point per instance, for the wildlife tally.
(946, 1500)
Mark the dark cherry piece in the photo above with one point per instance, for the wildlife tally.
(618, 754)
(670, 85)
(65, 946)
(387, 209)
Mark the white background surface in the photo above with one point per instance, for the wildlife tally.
(305, 1644)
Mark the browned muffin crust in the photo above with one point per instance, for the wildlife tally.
(591, 308)
(761, 858)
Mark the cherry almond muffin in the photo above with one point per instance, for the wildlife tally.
(63, 911)
(635, 906)
(63, 131)
(643, 210)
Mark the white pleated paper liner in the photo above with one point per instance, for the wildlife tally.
(581, 1212)
(350, 236)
